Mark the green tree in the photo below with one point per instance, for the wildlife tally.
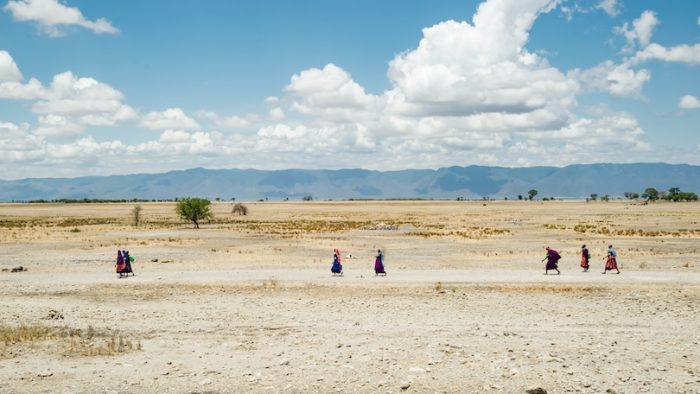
(532, 193)
(194, 210)
(650, 194)
(605, 198)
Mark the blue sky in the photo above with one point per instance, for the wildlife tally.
(94, 87)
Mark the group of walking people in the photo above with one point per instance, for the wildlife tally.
(123, 265)
(553, 258)
(379, 268)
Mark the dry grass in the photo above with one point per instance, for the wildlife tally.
(469, 233)
(630, 232)
(66, 341)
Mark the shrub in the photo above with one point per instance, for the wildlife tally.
(240, 209)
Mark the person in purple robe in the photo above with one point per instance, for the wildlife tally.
(552, 258)
(379, 263)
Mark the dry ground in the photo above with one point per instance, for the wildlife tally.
(247, 303)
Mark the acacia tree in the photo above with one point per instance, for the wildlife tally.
(650, 194)
(194, 210)
(532, 193)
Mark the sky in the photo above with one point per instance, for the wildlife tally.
(113, 87)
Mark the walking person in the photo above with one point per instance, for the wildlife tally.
(337, 267)
(379, 264)
(120, 266)
(611, 261)
(585, 258)
(552, 258)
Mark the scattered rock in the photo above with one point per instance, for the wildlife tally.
(382, 226)
(154, 260)
(18, 269)
(54, 315)
(205, 382)
(44, 374)
(416, 370)
(405, 385)
(536, 390)
(284, 362)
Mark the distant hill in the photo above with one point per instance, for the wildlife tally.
(575, 181)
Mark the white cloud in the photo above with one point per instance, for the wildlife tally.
(52, 17)
(237, 122)
(228, 122)
(58, 125)
(11, 86)
(9, 72)
(689, 102)
(689, 54)
(617, 79)
(640, 31)
(171, 118)
(329, 93)
(611, 7)
(276, 114)
(70, 103)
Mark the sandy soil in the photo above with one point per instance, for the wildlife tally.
(247, 304)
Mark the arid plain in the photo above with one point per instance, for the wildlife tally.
(248, 303)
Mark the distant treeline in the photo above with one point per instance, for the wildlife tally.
(88, 201)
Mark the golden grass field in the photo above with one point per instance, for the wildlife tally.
(248, 304)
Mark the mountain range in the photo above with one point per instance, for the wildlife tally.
(574, 181)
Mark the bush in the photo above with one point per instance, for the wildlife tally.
(240, 209)
(136, 215)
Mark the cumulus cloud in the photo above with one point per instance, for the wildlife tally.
(228, 122)
(17, 144)
(689, 102)
(53, 17)
(171, 118)
(639, 32)
(58, 125)
(461, 68)
(617, 79)
(68, 104)
(71, 102)
(329, 93)
(9, 72)
(75, 96)
(689, 54)
(11, 86)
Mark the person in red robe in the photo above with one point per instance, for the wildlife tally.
(585, 258)
(611, 260)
